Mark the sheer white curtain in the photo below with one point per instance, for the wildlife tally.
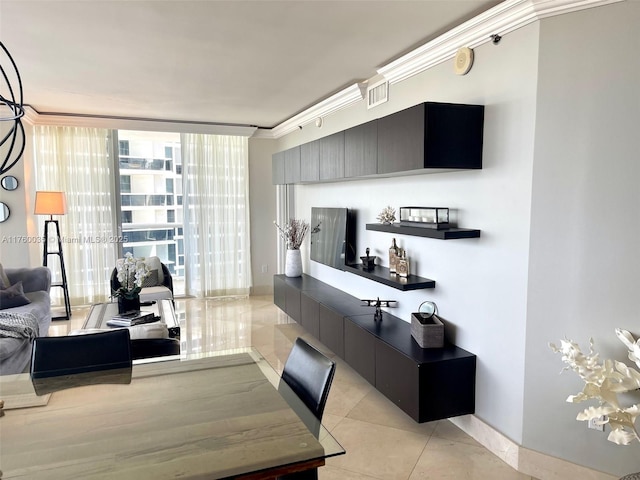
(76, 161)
(215, 173)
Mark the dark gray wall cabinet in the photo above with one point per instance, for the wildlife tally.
(427, 384)
(361, 150)
(292, 165)
(429, 135)
(310, 162)
(332, 157)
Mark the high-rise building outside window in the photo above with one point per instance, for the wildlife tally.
(150, 196)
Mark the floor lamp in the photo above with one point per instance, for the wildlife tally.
(54, 203)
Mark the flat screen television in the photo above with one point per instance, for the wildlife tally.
(333, 236)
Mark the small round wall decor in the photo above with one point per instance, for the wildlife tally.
(463, 61)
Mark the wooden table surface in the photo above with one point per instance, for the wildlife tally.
(214, 417)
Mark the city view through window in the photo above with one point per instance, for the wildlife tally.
(151, 215)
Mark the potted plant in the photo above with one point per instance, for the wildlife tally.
(131, 272)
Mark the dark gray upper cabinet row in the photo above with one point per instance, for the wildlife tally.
(427, 136)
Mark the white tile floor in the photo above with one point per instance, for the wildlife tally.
(380, 440)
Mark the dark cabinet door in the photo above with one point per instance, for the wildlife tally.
(292, 165)
(361, 150)
(292, 302)
(447, 388)
(453, 135)
(277, 168)
(279, 293)
(310, 161)
(401, 141)
(310, 315)
(359, 350)
(332, 157)
(332, 330)
(397, 379)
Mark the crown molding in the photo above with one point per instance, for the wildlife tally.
(504, 18)
(338, 101)
(33, 117)
(501, 19)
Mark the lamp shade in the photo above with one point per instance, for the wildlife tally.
(50, 203)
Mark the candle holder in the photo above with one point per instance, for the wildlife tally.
(427, 217)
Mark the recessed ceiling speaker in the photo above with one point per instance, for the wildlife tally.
(463, 61)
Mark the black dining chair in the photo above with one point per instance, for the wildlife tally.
(58, 363)
(154, 347)
(309, 373)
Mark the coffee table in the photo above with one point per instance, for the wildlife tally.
(101, 313)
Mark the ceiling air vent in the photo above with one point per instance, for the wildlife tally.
(377, 93)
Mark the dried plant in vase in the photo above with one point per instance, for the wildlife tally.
(387, 215)
(293, 233)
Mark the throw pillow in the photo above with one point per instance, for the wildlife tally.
(4, 280)
(13, 297)
(151, 280)
(153, 263)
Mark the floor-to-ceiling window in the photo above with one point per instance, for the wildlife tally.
(150, 179)
(128, 186)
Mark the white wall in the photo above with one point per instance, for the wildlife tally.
(584, 257)
(481, 284)
(19, 242)
(262, 199)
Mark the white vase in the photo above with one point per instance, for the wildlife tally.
(293, 264)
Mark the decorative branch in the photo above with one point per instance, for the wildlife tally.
(293, 233)
(604, 381)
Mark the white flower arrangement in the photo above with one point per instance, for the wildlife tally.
(604, 381)
(387, 215)
(131, 272)
(293, 233)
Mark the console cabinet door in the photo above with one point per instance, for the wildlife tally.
(292, 165)
(277, 168)
(332, 156)
(361, 150)
(310, 315)
(332, 330)
(359, 350)
(310, 161)
(292, 302)
(401, 141)
(397, 378)
(279, 293)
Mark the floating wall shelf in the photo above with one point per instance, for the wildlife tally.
(383, 275)
(448, 234)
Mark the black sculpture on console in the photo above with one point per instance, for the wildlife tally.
(377, 316)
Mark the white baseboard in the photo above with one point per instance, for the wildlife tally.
(539, 465)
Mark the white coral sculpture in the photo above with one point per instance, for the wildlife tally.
(604, 381)
(387, 215)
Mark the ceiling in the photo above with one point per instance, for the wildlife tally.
(236, 62)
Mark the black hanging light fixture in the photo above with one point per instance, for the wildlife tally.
(11, 112)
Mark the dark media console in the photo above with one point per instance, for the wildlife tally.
(427, 384)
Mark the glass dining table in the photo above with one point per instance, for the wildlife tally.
(220, 416)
